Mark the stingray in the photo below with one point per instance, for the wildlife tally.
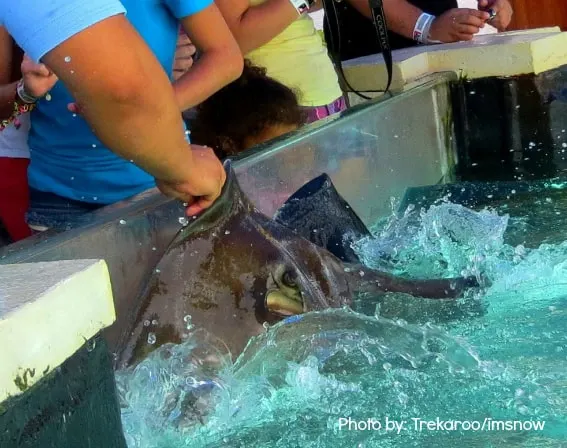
(233, 269)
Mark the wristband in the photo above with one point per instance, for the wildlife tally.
(422, 27)
(25, 96)
(302, 6)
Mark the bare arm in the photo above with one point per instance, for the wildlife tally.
(400, 15)
(220, 63)
(126, 97)
(254, 26)
(7, 88)
(453, 25)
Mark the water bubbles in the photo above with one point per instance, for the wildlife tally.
(47, 96)
(266, 326)
(147, 323)
(188, 322)
(122, 222)
(227, 232)
(387, 366)
(564, 145)
(154, 322)
(94, 145)
(151, 338)
(72, 177)
(95, 198)
(154, 248)
(67, 59)
(361, 273)
(157, 271)
(183, 221)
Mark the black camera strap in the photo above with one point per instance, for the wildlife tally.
(335, 14)
(379, 19)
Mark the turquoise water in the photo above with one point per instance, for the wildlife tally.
(498, 355)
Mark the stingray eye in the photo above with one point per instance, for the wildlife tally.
(289, 279)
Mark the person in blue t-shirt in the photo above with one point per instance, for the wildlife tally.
(125, 94)
(70, 168)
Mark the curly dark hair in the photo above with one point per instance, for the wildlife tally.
(244, 109)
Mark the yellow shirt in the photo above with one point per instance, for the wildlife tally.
(298, 58)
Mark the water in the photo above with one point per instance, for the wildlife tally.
(503, 358)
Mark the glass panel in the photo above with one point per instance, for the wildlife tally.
(372, 153)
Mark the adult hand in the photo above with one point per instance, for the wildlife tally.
(183, 56)
(38, 79)
(204, 186)
(503, 10)
(457, 24)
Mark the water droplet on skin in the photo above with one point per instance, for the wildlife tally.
(154, 248)
(183, 221)
(122, 222)
(67, 59)
(564, 145)
(157, 271)
(147, 323)
(513, 192)
(472, 92)
(47, 97)
(151, 338)
(94, 146)
(72, 72)
(227, 232)
(74, 115)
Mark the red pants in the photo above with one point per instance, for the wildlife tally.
(14, 197)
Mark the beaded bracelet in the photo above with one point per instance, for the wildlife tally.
(19, 109)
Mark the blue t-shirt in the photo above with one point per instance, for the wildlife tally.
(40, 26)
(66, 157)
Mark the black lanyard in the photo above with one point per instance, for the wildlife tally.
(379, 19)
(335, 41)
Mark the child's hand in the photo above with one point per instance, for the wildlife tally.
(38, 79)
(503, 10)
(183, 56)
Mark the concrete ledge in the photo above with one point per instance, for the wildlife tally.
(504, 54)
(47, 312)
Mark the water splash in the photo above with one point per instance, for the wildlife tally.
(293, 383)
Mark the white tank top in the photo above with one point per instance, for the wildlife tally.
(14, 142)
